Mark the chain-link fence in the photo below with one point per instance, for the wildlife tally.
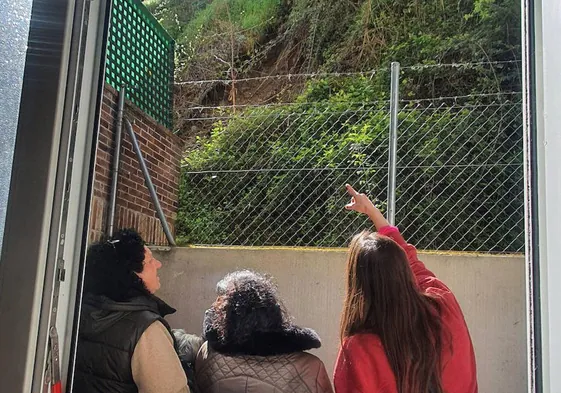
(275, 174)
(460, 175)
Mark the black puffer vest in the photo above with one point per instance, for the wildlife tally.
(109, 332)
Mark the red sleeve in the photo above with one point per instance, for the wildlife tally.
(362, 368)
(424, 277)
(426, 280)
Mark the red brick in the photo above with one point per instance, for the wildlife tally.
(162, 151)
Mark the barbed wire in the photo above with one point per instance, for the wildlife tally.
(265, 114)
(363, 103)
(312, 75)
(464, 96)
(369, 73)
(280, 104)
(458, 65)
(282, 76)
(358, 168)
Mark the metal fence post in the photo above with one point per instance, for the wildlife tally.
(392, 155)
(116, 160)
(148, 182)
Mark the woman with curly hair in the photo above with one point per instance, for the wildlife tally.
(252, 346)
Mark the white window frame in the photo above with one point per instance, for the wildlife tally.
(542, 111)
(57, 132)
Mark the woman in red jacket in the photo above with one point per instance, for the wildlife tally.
(402, 329)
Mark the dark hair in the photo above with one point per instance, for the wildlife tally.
(246, 297)
(111, 265)
(248, 318)
(383, 298)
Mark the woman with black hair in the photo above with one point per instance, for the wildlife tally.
(124, 342)
(252, 346)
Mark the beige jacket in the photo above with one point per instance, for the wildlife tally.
(155, 365)
(298, 372)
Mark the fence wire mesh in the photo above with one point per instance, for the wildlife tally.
(460, 175)
(275, 174)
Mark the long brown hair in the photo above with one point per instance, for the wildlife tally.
(382, 298)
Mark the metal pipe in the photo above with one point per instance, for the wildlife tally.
(148, 182)
(394, 106)
(116, 161)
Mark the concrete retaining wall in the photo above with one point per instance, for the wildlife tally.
(490, 290)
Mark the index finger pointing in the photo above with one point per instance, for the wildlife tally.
(350, 190)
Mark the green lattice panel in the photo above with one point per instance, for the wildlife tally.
(140, 55)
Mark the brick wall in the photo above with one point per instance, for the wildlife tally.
(162, 153)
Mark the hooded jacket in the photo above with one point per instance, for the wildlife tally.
(108, 336)
(262, 361)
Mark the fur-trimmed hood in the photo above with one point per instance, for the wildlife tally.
(282, 340)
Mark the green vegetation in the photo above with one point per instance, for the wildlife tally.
(337, 128)
(448, 194)
(347, 35)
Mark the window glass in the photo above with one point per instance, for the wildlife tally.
(14, 30)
